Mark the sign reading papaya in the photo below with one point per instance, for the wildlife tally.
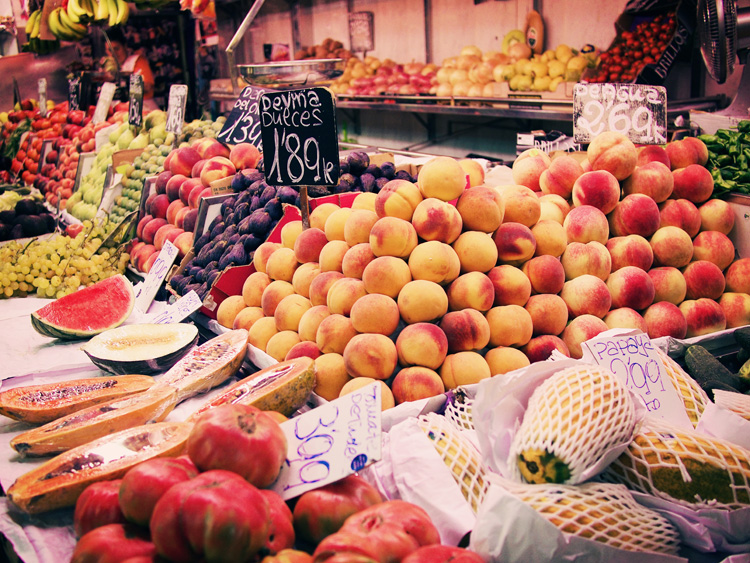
(638, 111)
(243, 123)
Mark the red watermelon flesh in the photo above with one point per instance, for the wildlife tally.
(89, 311)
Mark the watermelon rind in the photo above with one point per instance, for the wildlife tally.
(88, 311)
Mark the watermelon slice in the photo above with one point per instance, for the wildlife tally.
(88, 311)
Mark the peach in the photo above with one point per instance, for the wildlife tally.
(560, 176)
(148, 261)
(476, 251)
(331, 257)
(387, 401)
(356, 259)
(179, 218)
(279, 345)
(183, 160)
(159, 206)
(303, 277)
(473, 290)
(687, 151)
(289, 311)
(273, 294)
(262, 254)
(422, 344)
(504, 359)
(716, 215)
(521, 205)
(188, 187)
(330, 375)
(597, 188)
(434, 219)
(510, 325)
(370, 355)
(636, 214)
(703, 316)
(546, 274)
(343, 293)
(703, 279)
(172, 210)
(481, 209)
(715, 247)
(195, 197)
(694, 183)
(422, 301)
(375, 313)
(310, 320)
(614, 152)
(308, 244)
(581, 329)
(166, 233)
(653, 179)
(261, 332)
(736, 308)
(289, 233)
(680, 213)
(669, 284)
(247, 318)
(320, 214)
(586, 223)
(529, 166)
(209, 147)
(358, 226)
(551, 238)
(465, 330)
(738, 276)
(151, 228)
(434, 261)
(320, 285)
(365, 200)
(587, 295)
(512, 286)
(672, 246)
(244, 155)
(630, 250)
(334, 333)
(282, 264)
(653, 153)
(625, 317)
(195, 171)
(474, 171)
(515, 243)
(631, 287)
(335, 222)
(216, 168)
(416, 383)
(549, 313)
(464, 368)
(665, 319)
(541, 347)
(252, 288)
(229, 309)
(391, 236)
(586, 258)
(386, 275)
(304, 349)
(553, 207)
(184, 243)
(398, 198)
(442, 177)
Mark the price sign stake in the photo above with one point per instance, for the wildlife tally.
(180, 309)
(106, 95)
(243, 122)
(135, 108)
(176, 107)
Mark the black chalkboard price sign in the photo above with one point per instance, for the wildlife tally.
(636, 110)
(300, 140)
(243, 122)
(74, 93)
(135, 108)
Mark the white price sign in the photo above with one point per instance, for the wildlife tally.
(180, 309)
(42, 96)
(147, 289)
(106, 95)
(331, 441)
(176, 107)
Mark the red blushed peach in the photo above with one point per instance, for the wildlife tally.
(545, 273)
(515, 243)
(261, 332)
(703, 316)
(184, 243)
(636, 214)
(505, 359)
(738, 276)
(715, 247)
(716, 215)
(476, 251)
(342, 295)
(631, 287)
(549, 313)
(386, 275)
(613, 152)
(465, 330)
(331, 258)
(541, 347)
(598, 188)
(334, 333)
(694, 183)
(172, 188)
(308, 245)
(289, 311)
(319, 216)
(632, 250)
(303, 277)
(244, 155)
(391, 236)
(169, 234)
(304, 349)
(208, 147)
(358, 226)
(553, 207)
(473, 290)
(529, 166)
(625, 317)
(217, 168)
(272, 295)
(335, 223)
(195, 197)
(422, 301)
(585, 224)
(665, 319)
(442, 177)
(512, 286)
(159, 206)
(581, 329)
(356, 259)
(330, 376)
(669, 284)
(370, 355)
(703, 279)
(398, 198)
(282, 264)
(435, 261)
(416, 383)
(151, 228)
(687, 151)
(376, 313)
(672, 246)
(434, 219)
(173, 210)
(560, 176)
(247, 317)
(422, 344)
(464, 368)
(591, 258)
(320, 285)
(521, 205)
(736, 308)
(474, 171)
(262, 254)
(197, 167)
(586, 295)
(183, 160)
(551, 238)
(510, 325)
(188, 187)
(310, 320)
(654, 180)
(481, 209)
(653, 153)
(139, 228)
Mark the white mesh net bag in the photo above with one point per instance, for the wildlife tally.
(458, 411)
(693, 397)
(738, 403)
(573, 422)
(684, 467)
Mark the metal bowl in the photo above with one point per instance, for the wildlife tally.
(292, 74)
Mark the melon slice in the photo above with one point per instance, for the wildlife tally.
(88, 311)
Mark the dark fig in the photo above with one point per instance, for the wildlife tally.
(227, 205)
(358, 162)
(251, 243)
(238, 183)
(274, 209)
(380, 182)
(368, 182)
(373, 169)
(201, 241)
(268, 194)
(255, 203)
(234, 238)
(404, 175)
(286, 194)
(241, 211)
(230, 231)
(216, 230)
(388, 169)
(343, 167)
(257, 187)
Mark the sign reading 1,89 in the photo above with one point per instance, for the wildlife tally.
(638, 111)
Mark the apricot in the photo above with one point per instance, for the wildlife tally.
(343, 293)
(330, 375)
(331, 257)
(391, 236)
(253, 286)
(463, 368)
(376, 313)
(434, 261)
(310, 320)
(416, 383)
(370, 355)
(356, 259)
(443, 178)
(422, 344)
(398, 198)
(465, 330)
(476, 251)
(510, 325)
(422, 301)
(473, 290)
(334, 333)
(481, 209)
(386, 275)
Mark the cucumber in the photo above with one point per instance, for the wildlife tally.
(704, 367)
(710, 385)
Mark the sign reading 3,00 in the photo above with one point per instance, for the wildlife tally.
(299, 135)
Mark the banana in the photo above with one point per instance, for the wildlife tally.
(112, 9)
(37, 23)
(74, 11)
(94, 8)
(102, 12)
(77, 31)
(123, 12)
(35, 15)
(53, 22)
(88, 8)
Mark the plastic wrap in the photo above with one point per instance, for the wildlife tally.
(693, 396)
(738, 403)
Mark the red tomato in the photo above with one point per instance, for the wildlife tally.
(97, 506)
